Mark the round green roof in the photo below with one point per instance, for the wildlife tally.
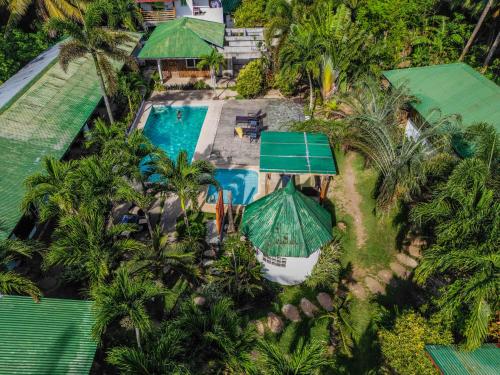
(286, 223)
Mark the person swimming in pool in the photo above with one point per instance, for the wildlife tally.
(179, 115)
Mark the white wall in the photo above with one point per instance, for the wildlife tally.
(295, 272)
(411, 130)
(210, 14)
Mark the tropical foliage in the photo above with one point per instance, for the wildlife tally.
(250, 81)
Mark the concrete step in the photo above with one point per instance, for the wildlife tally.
(245, 38)
(244, 43)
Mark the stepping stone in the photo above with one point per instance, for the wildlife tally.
(406, 260)
(259, 326)
(325, 301)
(291, 312)
(358, 273)
(357, 290)
(399, 270)
(415, 251)
(207, 263)
(274, 323)
(308, 308)
(199, 301)
(385, 276)
(374, 286)
(210, 253)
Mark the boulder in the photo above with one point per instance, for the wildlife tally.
(308, 308)
(291, 312)
(325, 301)
(274, 323)
(199, 300)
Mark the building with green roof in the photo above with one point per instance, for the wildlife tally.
(47, 338)
(42, 118)
(288, 230)
(450, 361)
(452, 89)
(177, 45)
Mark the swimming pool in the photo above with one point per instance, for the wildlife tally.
(242, 183)
(171, 134)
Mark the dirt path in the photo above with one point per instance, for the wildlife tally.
(350, 199)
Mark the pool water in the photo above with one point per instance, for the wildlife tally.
(171, 134)
(242, 183)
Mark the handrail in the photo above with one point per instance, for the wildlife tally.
(158, 15)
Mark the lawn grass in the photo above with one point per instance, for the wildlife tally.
(379, 248)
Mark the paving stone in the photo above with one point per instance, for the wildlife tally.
(374, 286)
(385, 276)
(399, 270)
(406, 260)
(308, 308)
(291, 312)
(325, 301)
(274, 323)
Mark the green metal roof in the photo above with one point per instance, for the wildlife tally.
(46, 338)
(230, 5)
(296, 153)
(286, 223)
(183, 38)
(482, 361)
(453, 89)
(43, 121)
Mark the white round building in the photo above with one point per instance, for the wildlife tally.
(288, 231)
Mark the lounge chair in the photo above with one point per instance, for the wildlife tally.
(253, 117)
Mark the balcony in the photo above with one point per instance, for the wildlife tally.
(156, 16)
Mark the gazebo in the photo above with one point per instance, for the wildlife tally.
(288, 230)
(300, 154)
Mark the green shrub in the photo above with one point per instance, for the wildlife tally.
(251, 13)
(403, 347)
(286, 84)
(250, 81)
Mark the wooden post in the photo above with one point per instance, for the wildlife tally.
(158, 63)
(325, 184)
(230, 220)
(268, 179)
(219, 212)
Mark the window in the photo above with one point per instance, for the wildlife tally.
(275, 261)
(191, 63)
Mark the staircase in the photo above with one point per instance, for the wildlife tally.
(243, 45)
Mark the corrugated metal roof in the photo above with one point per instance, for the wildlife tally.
(451, 361)
(230, 5)
(51, 337)
(296, 153)
(184, 37)
(452, 88)
(286, 223)
(43, 121)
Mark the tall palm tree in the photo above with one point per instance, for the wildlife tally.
(306, 360)
(183, 178)
(87, 246)
(213, 62)
(163, 352)
(164, 260)
(48, 192)
(124, 14)
(131, 86)
(301, 55)
(479, 23)
(100, 42)
(485, 143)
(68, 9)
(10, 281)
(101, 133)
(464, 216)
(124, 297)
(218, 336)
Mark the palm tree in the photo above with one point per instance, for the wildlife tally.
(88, 247)
(301, 55)
(237, 272)
(48, 191)
(131, 85)
(67, 9)
(217, 335)
(165, 260)
(306, 360)
(125, 297)
(10, 281)
(100, 42)
(183, 178)
(464, 216)
(102, 133)
(213, 61)
(485, 142)
(341, 329)
(163, 352)
(124, 14)
(280, 17)
(479, 23)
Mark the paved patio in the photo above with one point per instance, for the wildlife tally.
(230, 150)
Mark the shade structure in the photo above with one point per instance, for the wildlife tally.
(183, 38)
(49, 337)
(286, 223)
(296, 153)
(485, 360)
